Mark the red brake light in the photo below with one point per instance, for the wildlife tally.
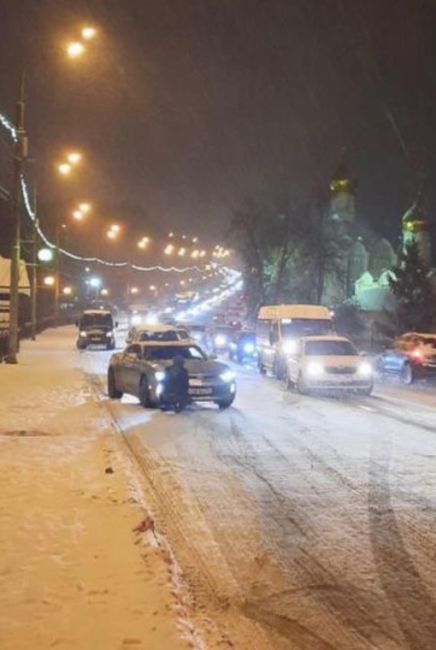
(417, 354)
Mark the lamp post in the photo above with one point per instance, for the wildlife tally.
(34, 285)
(19, 157)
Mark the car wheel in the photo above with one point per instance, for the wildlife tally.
(112, 390)
(144, 394)
(301, 385)
(225, 403)
(80, 345)
(366, 391)
(407, 374)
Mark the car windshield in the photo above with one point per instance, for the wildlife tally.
(330, 348)
(159, 336)
(305, 327)
(171, 351)
(96, 320)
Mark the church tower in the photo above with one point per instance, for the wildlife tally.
(416, 229)
(342, 200)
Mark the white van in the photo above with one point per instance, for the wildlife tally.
(280, 326)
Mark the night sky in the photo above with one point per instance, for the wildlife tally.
(186, 108)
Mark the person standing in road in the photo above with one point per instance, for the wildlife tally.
(175, 393)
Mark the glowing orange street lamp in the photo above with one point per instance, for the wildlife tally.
(88, 33)
(75, 49)
(65, 169)
(74, 157)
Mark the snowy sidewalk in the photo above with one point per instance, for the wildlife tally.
(73, 571)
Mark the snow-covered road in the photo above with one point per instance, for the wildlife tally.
(300, 522)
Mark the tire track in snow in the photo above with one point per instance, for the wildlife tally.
(413, 605)
(356, 608)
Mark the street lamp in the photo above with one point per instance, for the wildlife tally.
(74, 157)
(49, 280)
(134, 291)
(143, 243)
(65, 169)
(85, 207)
(169, 249)
(67, 291)
(88, 33)
(45, 255)
(75, 49)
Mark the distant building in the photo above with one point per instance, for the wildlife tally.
(416, 229)
(360, 261)
(5, 279)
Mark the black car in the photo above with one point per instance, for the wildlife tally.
(243, 346)
(96, 327)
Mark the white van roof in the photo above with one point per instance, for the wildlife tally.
(280, 312)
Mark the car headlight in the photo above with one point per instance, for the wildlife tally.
(289, 346)
(136, 319)
(160, 375)
(249, 348)
(109, 334)
(83, 333)
(220, 340)
(315, 369)
(227, 376)
(364, 369)
(159, 390)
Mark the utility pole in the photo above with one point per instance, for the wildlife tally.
(34, 286)
(57, 272)
(19, 156)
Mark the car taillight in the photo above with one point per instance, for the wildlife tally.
(417, 355)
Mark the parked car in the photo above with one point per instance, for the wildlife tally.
(140, 371)
(328, 363)
(413, 355)
(243, 346)
(157, 333)
(96, 327)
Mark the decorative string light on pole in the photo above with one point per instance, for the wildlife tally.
(7, 125)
